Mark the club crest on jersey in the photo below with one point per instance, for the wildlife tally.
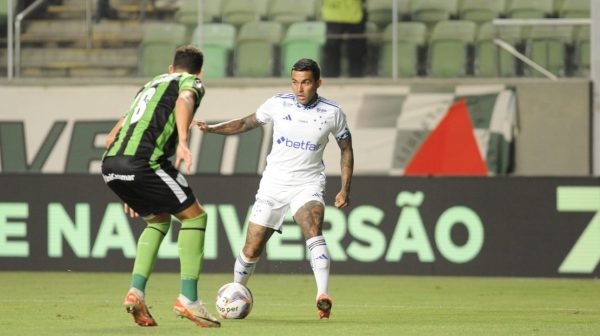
(181, 180)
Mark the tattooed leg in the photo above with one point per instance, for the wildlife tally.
(256, 239)
(310, 218)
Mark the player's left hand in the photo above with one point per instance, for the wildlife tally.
(342, 199)
(129, 211)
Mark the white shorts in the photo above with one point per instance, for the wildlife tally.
(273, 201)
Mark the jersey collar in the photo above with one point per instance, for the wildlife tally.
(310, 105)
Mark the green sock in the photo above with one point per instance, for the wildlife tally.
(191, 253)
(147, 249)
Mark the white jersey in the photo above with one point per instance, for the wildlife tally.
(300, 134)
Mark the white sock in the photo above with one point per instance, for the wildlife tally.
(319, 260)
(184, 300)
(187, 302)
(243, 268)
(137, 292)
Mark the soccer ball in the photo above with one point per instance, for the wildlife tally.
(234, 301)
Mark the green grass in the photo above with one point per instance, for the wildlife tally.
(90, 304)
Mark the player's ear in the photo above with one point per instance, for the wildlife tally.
(318, 83)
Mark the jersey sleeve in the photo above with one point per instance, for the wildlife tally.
(194, 84)
(341, 130)
(264, 113)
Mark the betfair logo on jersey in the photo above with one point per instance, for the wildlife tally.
(304, 145)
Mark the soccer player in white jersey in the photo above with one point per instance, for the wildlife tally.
(294, 176)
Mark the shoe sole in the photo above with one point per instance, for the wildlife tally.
(199, 321)
(139, 316)
(324, 307)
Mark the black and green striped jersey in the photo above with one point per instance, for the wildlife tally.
(149, 130)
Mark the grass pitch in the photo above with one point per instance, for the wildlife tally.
(90, 304)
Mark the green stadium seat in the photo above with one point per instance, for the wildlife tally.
(188, 12)
(411, 37)
(380, 11)
(529, 9)
(557, 5)
(256, 49)
(448, 48)
(158, 45)
(547, 46)
(581, 41)
(302, 40)
(480, 11)
(289, 11)
(491, 60)
(432, 11)
(3, 14)
(575, 9)
(262, 7)
(217, 41)
(239, 12)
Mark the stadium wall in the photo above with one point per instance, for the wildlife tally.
(60, 128)
(500, 226)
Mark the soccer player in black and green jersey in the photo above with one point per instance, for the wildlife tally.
(136, 167)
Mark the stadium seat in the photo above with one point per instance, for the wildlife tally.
(302, 40)
(449, 48)
(4, 14)
(256, 49)
(289, 11)
(217, 41)
(411, 37)
(188, 12)
(529, 9)
(480, 11)
(158, 45)
(582, 51)
(575, 9)
(491, 60)
(262, 7)
(547, 46)
(432, 11)
(558, 5)
(239, 12)
(380, 11)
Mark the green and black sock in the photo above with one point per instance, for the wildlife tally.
(191, 254)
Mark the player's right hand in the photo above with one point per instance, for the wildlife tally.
(201, 125)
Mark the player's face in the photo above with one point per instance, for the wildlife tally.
(304, 86)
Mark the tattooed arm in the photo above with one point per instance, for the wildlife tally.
(342, 199)
(230, 127)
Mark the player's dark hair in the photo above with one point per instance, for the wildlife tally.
(189, 58)
(306, 64)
